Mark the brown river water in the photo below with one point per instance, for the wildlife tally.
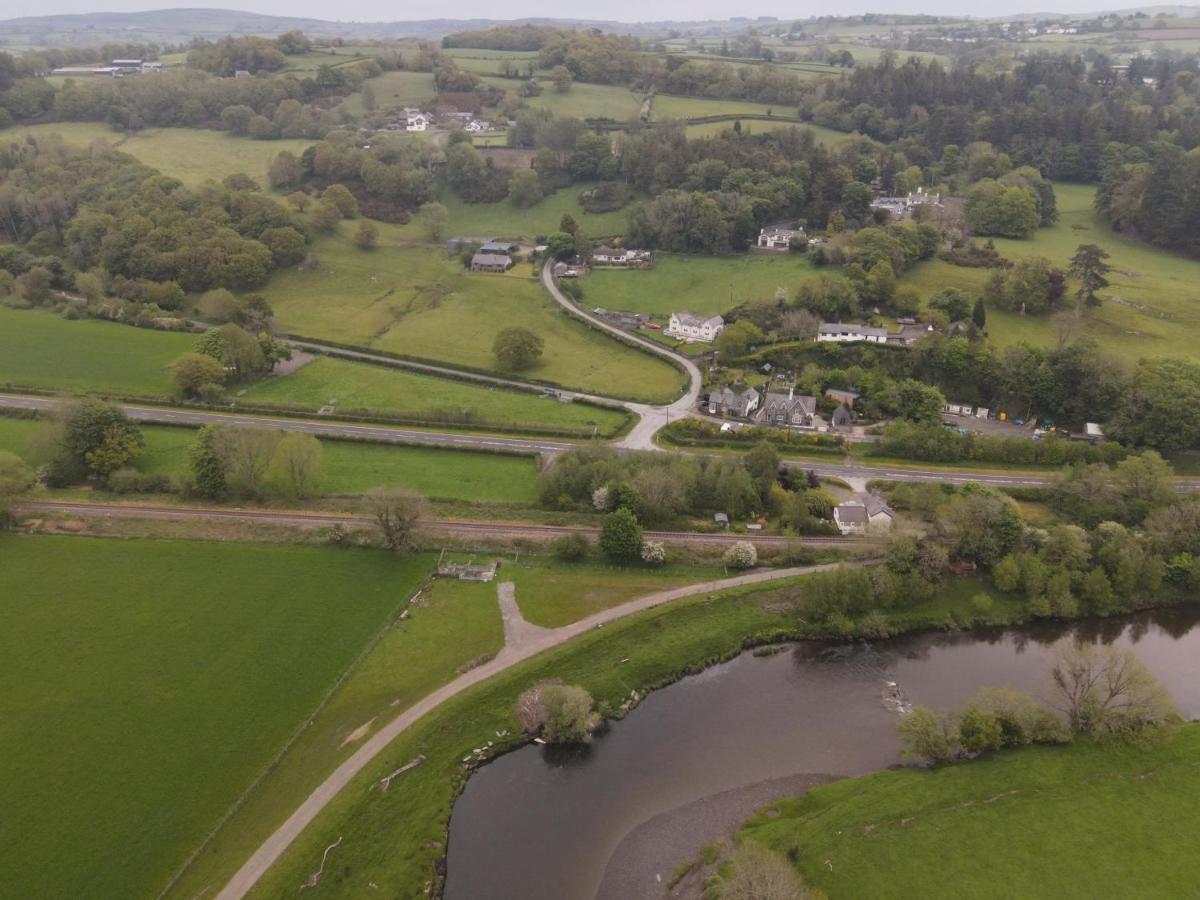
(543, 823)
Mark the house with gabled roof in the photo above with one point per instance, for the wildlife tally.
(790, 410)
(863, 513)
(730, 401)
(692, 327)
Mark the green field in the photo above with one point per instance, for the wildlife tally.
(149, 683)
(827, 136)
(347, 467)
(1081, 821)
(551, 594)
(667, 106)
(1151, 309)
(583, 101)
(421, 302)
(393, 89)
(38, 349)
(702, 284)
(505, 220)
(379, 389)
(193, 155)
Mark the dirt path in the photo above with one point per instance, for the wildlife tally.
(531, 645)
(517, 632)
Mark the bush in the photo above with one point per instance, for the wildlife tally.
(654, 553)
(131, 481)
(742, 555)
(621, 535)
(561, 713)
(570, 548)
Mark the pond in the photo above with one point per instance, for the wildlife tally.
(694, 759)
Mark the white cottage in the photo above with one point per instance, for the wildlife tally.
(692, 327)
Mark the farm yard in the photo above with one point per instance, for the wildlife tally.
(149, 683)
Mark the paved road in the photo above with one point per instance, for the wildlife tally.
(456, 527)
(651, 419)
(466, 440)
(275, 846)
(328, 428)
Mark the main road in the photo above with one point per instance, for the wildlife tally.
(491, 442)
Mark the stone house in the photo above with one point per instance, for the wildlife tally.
(728, 401)
(862, 514)
(490, 262)
(788, 410)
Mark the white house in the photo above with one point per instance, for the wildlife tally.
(899, 207)
(415, 120)
(476, 126)
(691, 327)
(840, 332)
(620, 257)
(778, 237)
(863, 513)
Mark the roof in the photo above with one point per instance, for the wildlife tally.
(685, 317)
(862, 508)
(497, 247)
(490, 259)
(729, 392)
(851, 328)
(853, 513)
(780, 231)
(841, 392)
(804, 402)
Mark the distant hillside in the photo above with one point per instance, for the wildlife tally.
(172, 26)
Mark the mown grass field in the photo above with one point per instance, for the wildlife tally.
(193, 155)
(347, 467)
(827, 136)
(583, 101)
(39, 349)
(421, 302)
(359, 386)
(148, 683)
(1151, 309)
(1081, 821)
(702, 284)
(551, 593)
(667, 106)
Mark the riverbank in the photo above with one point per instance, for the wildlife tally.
(398, 841)
(1085, 820)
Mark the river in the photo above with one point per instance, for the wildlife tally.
(694, 758)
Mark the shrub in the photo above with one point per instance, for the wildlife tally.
(742, 555)
(621, 535)
(561, 713)
(654, 553)
(130, 481)
(570, 547)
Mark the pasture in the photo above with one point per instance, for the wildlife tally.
(583, 100)
(1151, 309)
(193, 155)
(347, 467)
(702, 284)
(668, 106)
(393, 89)
(379, 389)
(39, 349)
(149, 683)
(1080, 821)
(422, 303)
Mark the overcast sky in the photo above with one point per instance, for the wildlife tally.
(619, 10)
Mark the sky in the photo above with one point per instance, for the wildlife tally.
(613, 10)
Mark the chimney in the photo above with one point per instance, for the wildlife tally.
(791, 391)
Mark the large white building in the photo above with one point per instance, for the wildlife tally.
(692, 327)
(841, 332)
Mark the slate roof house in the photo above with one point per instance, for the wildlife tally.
(620, 257)
(843, 332)
(842, 419)
(863, 513)
(505, 247)
(490, 262)
(729, 402)
(778, 237)
(788, 410)
(692, 327)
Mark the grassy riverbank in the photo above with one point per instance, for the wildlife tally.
(1076, 821)
(395, 840)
